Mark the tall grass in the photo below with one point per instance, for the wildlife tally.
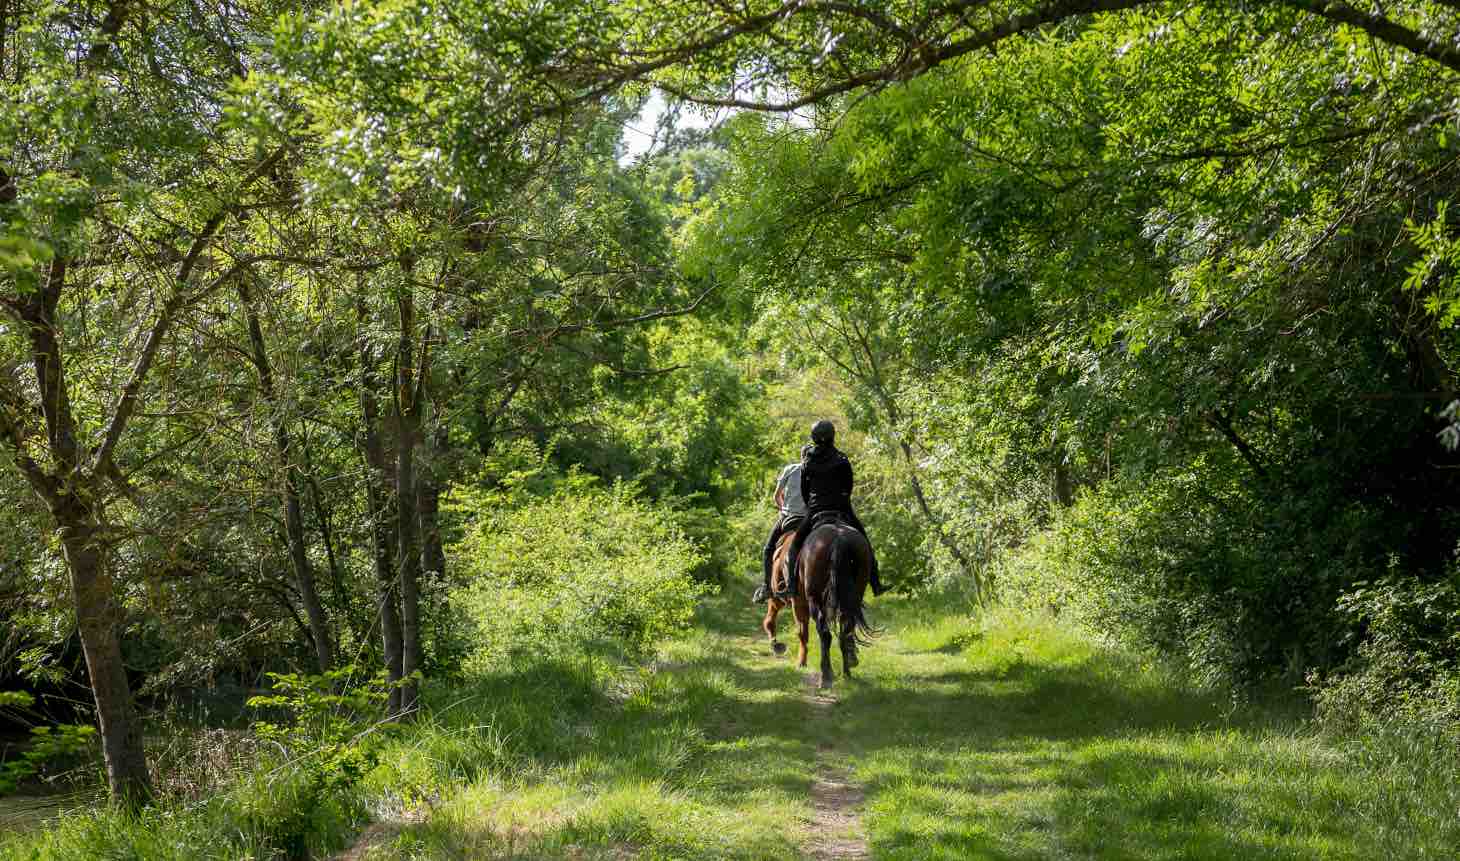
(1002, 735)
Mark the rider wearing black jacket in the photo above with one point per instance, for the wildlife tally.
(826, 485)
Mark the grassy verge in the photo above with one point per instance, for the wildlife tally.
(1001, 738)
(1015, 739)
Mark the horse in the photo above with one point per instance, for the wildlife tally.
(835, 567)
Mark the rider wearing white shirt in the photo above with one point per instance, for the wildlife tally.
(793, 509)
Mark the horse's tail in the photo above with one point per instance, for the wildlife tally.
(842, 599)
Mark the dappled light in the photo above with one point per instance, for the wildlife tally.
(417, 418)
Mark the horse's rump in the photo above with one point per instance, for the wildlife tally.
(836, 566)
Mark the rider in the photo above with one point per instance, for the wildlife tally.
(826, 485)
(793, 511)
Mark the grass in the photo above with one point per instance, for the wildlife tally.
(1015, 739)
(1000, 738)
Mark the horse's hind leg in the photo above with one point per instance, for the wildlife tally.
(772, 610)
(803, 630)
(824, 632)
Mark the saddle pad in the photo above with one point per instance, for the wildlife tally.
(822, 518)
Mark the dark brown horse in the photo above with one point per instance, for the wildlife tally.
(834, 569)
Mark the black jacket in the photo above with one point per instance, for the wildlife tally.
(826, 480)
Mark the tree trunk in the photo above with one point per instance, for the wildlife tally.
(408, 560)
(382, 530)
(409, 402)
(99, 622)
(980, 590)
(859, 339)
(379, 483)
(69, 492)
(1062, 488)
(332, 559)
(428, 504)
(319, 628)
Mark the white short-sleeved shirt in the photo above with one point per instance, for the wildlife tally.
(790, 482)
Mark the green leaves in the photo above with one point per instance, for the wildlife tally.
(1434, 273)
(21, 258)
(584, 567)
(49, 744)
(330, 728)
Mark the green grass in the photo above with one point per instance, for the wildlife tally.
(1006, 738)
(1000, 738)
(1014, 739)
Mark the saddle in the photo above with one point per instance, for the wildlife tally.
(822, 518)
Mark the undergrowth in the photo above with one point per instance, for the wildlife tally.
(999, 735)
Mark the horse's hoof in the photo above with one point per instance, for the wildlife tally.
(778, 648)
(825, 683)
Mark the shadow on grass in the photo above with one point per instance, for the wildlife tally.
(964, 748)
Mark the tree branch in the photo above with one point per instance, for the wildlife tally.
(181, 297)
(922, 60)
(604, 325)
(1384, 29)
(1223, 423)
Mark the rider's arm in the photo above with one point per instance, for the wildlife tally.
(780, 496)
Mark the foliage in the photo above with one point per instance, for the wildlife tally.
(329, 728)
(585, 565)
(48, 745)
(1194, 287)
(1145, 315)
(1405, 673)
(1187, 569)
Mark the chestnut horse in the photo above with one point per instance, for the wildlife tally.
(834, 569)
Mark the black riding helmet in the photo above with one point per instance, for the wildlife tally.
(823, 432)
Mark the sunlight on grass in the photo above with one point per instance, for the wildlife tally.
(1004, 736)
(1015, 738)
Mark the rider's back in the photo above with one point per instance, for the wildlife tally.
(826, 480)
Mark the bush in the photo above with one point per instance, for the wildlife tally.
(50, 747)
(330, 727)
(1406, 670)
(1239, 585)
(584, 566)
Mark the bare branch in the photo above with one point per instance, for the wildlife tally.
(181, 297)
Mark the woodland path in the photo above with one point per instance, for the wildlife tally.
(1007, 738)
(1015, 739)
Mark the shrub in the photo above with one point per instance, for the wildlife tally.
(50, 746)
(326, 730)
(1239, 585)
(1406, 670)
(582, 566)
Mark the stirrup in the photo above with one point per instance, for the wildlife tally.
(761, 595)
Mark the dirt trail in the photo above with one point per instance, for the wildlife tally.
(836, 832)
(379, 833)
(375, 834)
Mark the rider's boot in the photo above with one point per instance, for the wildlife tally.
(763, 591)
(877, 587)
